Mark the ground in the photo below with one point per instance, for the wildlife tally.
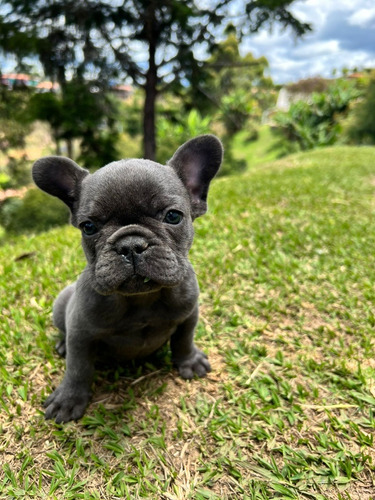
(285, 263)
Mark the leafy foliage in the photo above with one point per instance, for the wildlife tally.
(14, 121)
(102, 40)
(233, 87)
(15, 125)
(236, 108)
(83, 111)
(172, 134)
(362, 129)
(317, 123)
(35, 212)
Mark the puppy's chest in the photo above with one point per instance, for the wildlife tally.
(156, 314)
(139, 333)
(142, 322)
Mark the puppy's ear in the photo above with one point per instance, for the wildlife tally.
(196, 163)
(59, 177)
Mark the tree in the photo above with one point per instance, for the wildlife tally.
(79, 113)
(233, 85)
(154, 42)
(15, 125)
(59, 33)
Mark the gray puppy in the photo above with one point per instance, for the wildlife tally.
(138, 289)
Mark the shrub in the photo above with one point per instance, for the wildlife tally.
(317, 123)
(5, 180)
(19, 171)
(35, 212)
(172, 134)
(362, 127)
(236, 109)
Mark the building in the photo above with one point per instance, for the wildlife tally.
(15, 81)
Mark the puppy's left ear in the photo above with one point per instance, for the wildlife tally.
(196, 163)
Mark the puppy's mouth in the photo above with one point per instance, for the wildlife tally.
(116, 279)
(137, 284)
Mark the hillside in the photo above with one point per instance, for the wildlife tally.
(285, 261)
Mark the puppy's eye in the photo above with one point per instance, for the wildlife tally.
(89, 228)
(173, 217)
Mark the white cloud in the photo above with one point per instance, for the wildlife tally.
(317, 49)
(343, 36)
(365, 18)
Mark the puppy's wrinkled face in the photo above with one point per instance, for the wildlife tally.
(136, 227)
(135, 215)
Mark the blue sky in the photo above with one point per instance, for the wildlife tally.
(343, 37)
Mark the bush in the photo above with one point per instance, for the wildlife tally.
(37, 211)
(172, 134)
(19, 171)
(5, 180)
(236, 109)
(317, 123)
(362, 127)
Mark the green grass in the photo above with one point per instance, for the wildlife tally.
(266, 148)
(285, 260)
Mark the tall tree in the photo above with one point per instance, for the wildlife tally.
(14, 122)
(235, 86)
(80, 113)
(153, 42)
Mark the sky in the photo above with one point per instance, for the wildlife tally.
(343, 36)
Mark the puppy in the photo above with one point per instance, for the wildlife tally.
(138, 289)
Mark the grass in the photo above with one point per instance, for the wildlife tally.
(285, 260)
(266, 148)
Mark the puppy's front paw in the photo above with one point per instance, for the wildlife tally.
(60, 347)
(66, 403)
(196, 364)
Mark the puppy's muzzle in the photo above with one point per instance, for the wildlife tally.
(131, 248)
(135, 260)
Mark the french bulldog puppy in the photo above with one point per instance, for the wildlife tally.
(138, 289)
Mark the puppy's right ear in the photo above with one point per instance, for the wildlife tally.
(59, 177)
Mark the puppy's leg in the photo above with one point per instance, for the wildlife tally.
(59, 316)
(186, 356)
(69, 400)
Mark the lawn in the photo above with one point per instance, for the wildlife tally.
(266, 148)
(285, 261)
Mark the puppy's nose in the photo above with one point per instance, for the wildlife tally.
(131, 247)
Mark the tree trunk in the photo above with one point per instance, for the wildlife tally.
(149, 132)
(55, 135)
(69, 147)
(58, 147)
